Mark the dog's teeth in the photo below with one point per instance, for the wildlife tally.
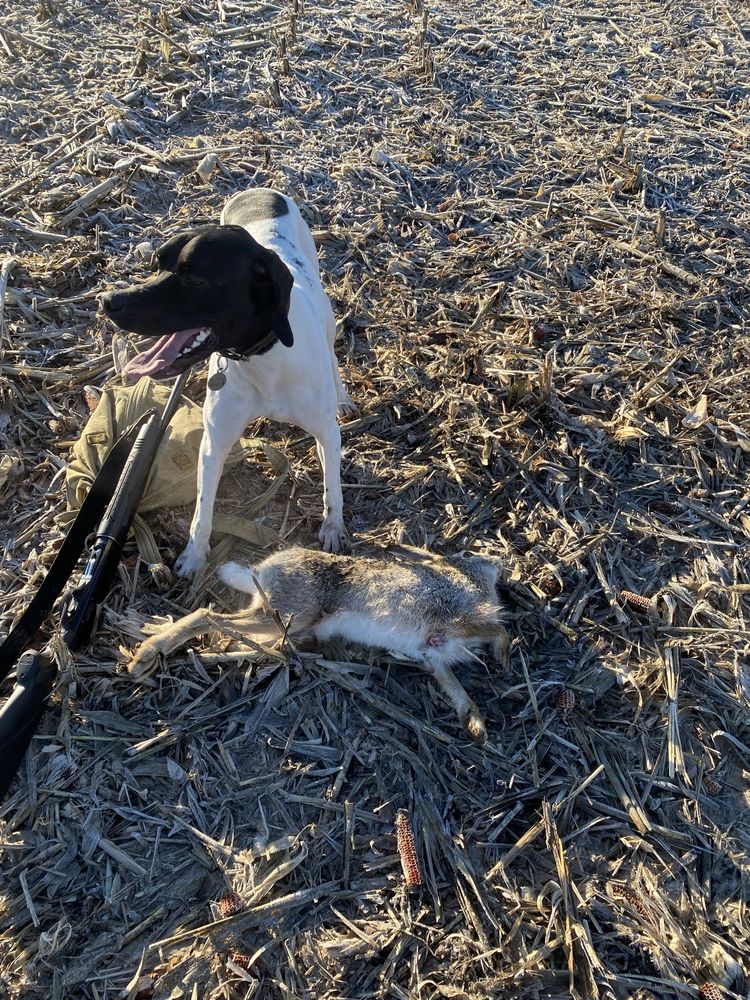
(197, 341)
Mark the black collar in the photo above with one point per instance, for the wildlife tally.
(262, 345)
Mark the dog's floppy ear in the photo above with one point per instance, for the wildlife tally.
(273, 276)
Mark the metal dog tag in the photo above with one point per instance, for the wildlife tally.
(218, 379)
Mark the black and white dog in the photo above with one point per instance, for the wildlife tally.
(246, 292)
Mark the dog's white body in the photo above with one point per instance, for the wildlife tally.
(297, 385)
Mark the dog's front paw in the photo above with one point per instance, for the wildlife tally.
(192, 560)
(332, 535)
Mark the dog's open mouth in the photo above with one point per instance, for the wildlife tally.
(172, 354)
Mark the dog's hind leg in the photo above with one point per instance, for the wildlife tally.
(225, 417)
(345, 405)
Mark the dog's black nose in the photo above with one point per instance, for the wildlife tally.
(112, 302)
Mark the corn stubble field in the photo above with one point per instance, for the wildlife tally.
(534, 223)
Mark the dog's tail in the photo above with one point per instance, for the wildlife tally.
(240, 577)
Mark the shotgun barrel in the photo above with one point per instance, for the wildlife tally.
(82, 604)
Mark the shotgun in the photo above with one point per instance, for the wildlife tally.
(118, 487)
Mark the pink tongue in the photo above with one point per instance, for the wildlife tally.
(164, 353)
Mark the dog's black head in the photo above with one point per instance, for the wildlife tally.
(216, 289)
